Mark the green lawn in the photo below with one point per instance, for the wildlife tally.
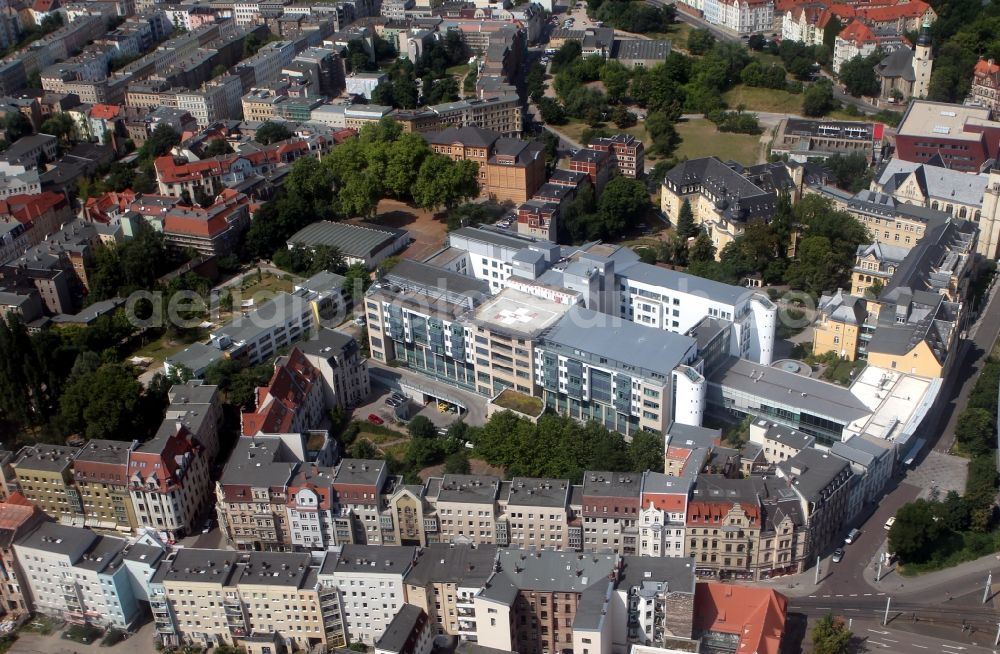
(526, 404)
(677, 34)
(268, 282)
(699, 138)
(164, 347)
(459, 71)
(767, 100)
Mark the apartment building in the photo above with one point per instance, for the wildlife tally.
(170, 483)
(610, 513)
(313, 521)
(100, 473)
(358, 487)
(779, 443)
(218, 99)
(743, 17)
(627, 153)
(655, 599)
(45, 477)
(663, 508)
(198, 407)
(263, 601)
(213, 230)
(985, 91)
(547, 601)
(466, 507)
(260, 334)
(252, 494)
(335, 355)
(444, 581)
(292, 401)
(723, 527)
(410, 632)
(822, 483)
(595, 164)
(371, 584)
(502, 114)
(535, 513)
(18, 518)
(78, 576)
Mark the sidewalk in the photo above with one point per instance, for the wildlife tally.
(950, 581)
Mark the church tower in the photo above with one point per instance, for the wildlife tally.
(923, 62)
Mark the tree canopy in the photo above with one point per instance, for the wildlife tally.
(271, 132)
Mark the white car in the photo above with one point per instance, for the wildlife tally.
(890, 522)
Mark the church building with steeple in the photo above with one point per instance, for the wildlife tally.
(906, 73)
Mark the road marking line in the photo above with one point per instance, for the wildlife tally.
(868, 594)
(920, 646)
(876, 631)
(875, 642)
(813, 596)
(952, 646)
(839, 595)
(852, 609)
(854, 594)
(890, 640)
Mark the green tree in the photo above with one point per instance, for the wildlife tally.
(700, 41)
(833, 27)
(457, 463)
(403, 165)
(271, 132)
(60, 125)
(623, 203)
(444, 183)
(615, 78)
(703, 250)
(535, 81)
(218, 147)
(858, 75)
(646, 452)
(102, 404)
(831, 636)
(551, 112)
(363, 449)
(570, 52)
(661, 130)
(421, 427)
(16, 125)
(686, 228)
(818, 99)
(915, 533)
(976, 431)
(623, 118)
(359, 194)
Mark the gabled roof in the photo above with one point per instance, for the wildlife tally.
(278, 402)
(858, 33)
(756, 616)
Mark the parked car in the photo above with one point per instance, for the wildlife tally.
(375, 420)
(853, 536)
(838, 555)
(890, 522)
(393, 402)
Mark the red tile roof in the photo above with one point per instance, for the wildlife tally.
(161, 466)
(984, 68)
(208, 221)
(26, 208)
(857, 32)
(702, 512)
(319, 480)
(278, 402)
(669, 502)
(884, 13)
(105, 111)
(755, 615)
(98, 209)
(170, 171)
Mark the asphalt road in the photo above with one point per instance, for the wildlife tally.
(964, 373)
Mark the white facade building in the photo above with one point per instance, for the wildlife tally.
(741, 16)
(77, 575)
(370, 579)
